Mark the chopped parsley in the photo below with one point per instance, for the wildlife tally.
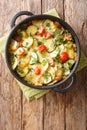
(48, 24)
(23, 26)
(20, 70)
(61, 40)
(39, 42)
(20, 35)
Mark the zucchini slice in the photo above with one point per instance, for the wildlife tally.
(59, 73)
(34, 45)
(69, 64)
(24, 34)
(14, 45)
(66, 72)
(28, 42)
(37, 23)
(31, 30)
(47, 78)
(34, 58)
(24, 61)
(45, 64)
(55, 53)
(29, 77)
(39, 39)
(66, 65)
(71, 53)
(69, 45)
(22, 71)
(49, 25)
(14, 62)
(50, 44)
(51, 70)
(57, 67)
(61, 47)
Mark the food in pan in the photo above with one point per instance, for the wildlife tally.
(42, 52)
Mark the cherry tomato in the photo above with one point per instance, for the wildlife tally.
(57, 24)
(17, 38)
(42, 47)
(37, 70)
(47, 35)
(64, 56)
(57, 78)
(41, 31)
(20, 51)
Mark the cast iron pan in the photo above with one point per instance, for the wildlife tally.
(56, 86)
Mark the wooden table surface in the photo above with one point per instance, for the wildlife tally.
(53, 111)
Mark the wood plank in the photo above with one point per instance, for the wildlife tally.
(32, 114)
(54, 103)
(54, 108)
(8, 9)
(31, 5)
(32, 118)
(10, 100)
(10, 94)
(50, 4)
(76, 104)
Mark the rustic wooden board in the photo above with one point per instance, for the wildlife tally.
(54, 111)
(76, 16)
(10, 103)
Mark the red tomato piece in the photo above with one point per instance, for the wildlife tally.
(55, 23)
(47, 35)
(20, 51)
(42, 47)
(37, 70)
(17, 38)
(57, 78)
(59, 26)
(41, 31)
(64, 56)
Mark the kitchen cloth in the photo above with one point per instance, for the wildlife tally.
(31, 93)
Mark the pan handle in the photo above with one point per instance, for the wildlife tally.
(57, 89)
(19, 14)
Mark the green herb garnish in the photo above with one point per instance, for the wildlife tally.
(56, 59)
(20, 35)
(48, 24)
(20, 70)
(23, 26)
(39, 43)
(61, 40)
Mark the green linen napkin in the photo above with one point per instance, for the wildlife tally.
(30, 93)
